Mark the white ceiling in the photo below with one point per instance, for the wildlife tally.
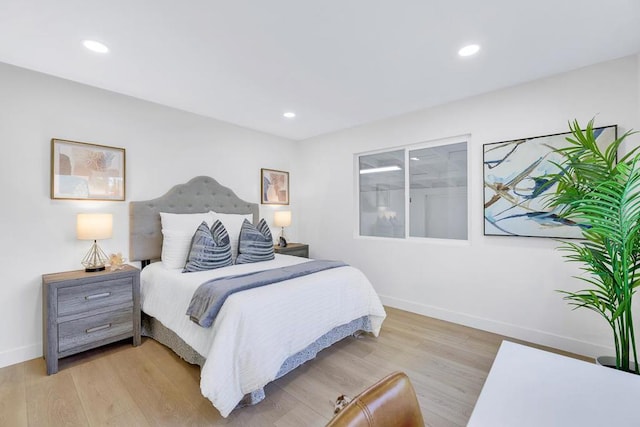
(336, 63)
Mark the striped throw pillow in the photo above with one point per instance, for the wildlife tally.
(256, 243)
(210, 248)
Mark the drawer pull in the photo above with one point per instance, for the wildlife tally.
(94, 296)
(98, 328)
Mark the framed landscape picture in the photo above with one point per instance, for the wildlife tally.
(81, 171)
(516, 183)
(274, 187)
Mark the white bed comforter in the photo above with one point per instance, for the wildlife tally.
(258, 329)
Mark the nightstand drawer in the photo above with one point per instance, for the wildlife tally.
(93, 329)
(91, 296)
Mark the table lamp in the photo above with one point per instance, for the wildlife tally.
(94, 226)
(282, 219)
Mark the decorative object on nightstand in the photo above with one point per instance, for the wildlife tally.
(94, 226)
(295, 249)
(282, 219)
(116, 261)
(81, 311)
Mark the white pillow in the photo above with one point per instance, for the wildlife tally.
(233, 224)
(177, 232)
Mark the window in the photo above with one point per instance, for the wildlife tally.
(426, 199)
(382, 190)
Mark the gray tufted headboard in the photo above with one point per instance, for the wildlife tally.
(201, 194)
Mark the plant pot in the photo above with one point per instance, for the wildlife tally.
(610, 362)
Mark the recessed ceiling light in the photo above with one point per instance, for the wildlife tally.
(95, 46)
(289, 114)
(415, 158)
(469, 50)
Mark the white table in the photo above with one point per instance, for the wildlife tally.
(531, 387)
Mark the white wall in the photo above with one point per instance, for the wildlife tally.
(163, 147)
(501, 284)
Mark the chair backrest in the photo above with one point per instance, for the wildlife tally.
(389, 402)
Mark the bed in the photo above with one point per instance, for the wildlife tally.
(259, 334)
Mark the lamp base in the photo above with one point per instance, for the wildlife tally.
(282, 242)
(95, 259)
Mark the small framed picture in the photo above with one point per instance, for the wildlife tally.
(81, 171)
(274, 187)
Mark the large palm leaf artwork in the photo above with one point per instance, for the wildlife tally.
(517, 178)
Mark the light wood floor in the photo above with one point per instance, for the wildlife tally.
(149, 385)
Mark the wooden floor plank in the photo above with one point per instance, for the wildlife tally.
(54, 401)
(122, 385)
(184, 377)
(104, 396)
(160, 401)
(13, 401)
(279, 408)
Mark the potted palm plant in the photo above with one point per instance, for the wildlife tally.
(603, 195)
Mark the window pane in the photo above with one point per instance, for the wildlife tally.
(382, 194)
(438, 192)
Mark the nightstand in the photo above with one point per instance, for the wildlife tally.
(295, 249)
(83, 310)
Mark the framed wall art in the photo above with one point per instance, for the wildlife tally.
(516, 183)
(81, 171)
(274, 187)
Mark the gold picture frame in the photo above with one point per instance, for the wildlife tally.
(83, 171)
(274, 187)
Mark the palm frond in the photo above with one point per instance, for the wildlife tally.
(595, 190)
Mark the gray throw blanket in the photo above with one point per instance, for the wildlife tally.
(207, 300)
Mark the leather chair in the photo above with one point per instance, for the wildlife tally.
(389, 402)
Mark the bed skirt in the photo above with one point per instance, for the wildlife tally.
(153, 328)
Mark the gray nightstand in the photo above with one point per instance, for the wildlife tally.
(83, 310)
(295, 249)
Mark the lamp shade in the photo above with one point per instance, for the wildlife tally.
(94, 226)
(282, 218)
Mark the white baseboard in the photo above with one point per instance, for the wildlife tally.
(509, 330)
(20, 354)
